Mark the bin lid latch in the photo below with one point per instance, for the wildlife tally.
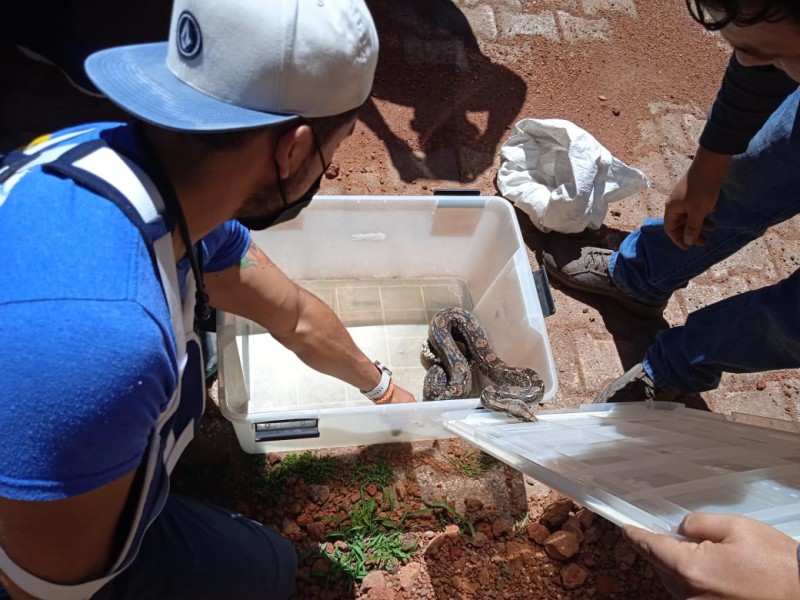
(543, 289)
(293, 429)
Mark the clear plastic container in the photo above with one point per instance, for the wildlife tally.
(411, 256)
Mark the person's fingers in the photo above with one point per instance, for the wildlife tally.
(705, 526)
(662, 550)
(693, 227)
(674, 230)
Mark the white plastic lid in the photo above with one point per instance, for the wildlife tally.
(649, 464)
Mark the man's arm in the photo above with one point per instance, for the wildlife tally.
(729, 557)
(747, 98)
(258, 290)
(66, 541)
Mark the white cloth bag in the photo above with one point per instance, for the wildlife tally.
(562, 177)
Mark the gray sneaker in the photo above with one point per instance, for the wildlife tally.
(635, 386)
(588, 273)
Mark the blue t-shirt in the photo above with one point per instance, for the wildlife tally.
(86, 343)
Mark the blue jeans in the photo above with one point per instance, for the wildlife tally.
(199, 551)
(755, 331)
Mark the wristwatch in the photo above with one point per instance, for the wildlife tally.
(383, 385)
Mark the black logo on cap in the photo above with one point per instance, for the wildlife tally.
(190, 40)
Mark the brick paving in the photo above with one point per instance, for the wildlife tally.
(487, 43)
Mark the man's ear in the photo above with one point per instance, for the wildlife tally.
(292, 149)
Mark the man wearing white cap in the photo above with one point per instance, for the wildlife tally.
(106, 231)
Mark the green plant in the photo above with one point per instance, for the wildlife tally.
(372, 540)
(269, 486)
(378, 473)
(447, 515)
(309, 468)
(472, 464)
(521, 523)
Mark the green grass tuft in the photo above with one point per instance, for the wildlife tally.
(372, 540)
(378, 472)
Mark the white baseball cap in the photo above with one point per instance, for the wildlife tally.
(239, 64)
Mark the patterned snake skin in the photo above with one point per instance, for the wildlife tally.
(515, 391)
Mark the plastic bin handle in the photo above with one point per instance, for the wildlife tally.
(456, 192)
(543, 290)
(295, 429)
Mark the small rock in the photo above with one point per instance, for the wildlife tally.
(555, 515)
(316, 531)
(573, 526)
(318, 493)
(562, 545)
(408, 575)
(761, 385)
(592, 534)
(332, 172)
(451, 529)
(616, 112)
(409, 541)
(479, 540)
(573, 576)
(290, 528)
(400, 490)
(585, 517)
(474, 510)
(375, 579)
(484, 577)
(428, 535)
(537, 532)
(602, 98)
(515, 550)
(372, 489)
(501, 527)
(304, 520)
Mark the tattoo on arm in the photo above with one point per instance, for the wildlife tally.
(252, 258)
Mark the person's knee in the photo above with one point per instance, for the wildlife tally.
(273, 564)
(285, 566)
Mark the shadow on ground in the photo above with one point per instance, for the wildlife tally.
(462, 102)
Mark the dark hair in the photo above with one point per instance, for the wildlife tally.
(743, 12)
(324, 128)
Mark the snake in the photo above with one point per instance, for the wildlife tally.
(457, 341)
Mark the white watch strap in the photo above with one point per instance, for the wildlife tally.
(383, 385)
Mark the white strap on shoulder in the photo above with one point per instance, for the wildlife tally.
(127, 177)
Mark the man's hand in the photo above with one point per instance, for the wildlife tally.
(732, 557)
(401, 396)
(694, 198)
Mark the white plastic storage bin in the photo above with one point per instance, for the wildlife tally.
(385, 265)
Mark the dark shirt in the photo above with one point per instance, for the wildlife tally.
(748, 96)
